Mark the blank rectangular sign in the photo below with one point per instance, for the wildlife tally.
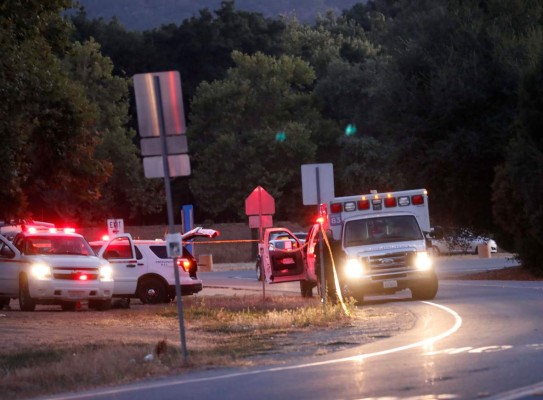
(319, 190)
(152, 146)
(179, 165)
(147, 103)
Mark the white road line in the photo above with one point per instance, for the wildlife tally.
(457, 324)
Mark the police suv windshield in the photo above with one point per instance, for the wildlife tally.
(384, 229)
(53, 245)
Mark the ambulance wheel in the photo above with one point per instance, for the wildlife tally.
(68, 305)
(26, 303)
(306, 288)
(426, 289)
(152, 290)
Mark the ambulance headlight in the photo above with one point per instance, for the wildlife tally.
(106, 273)
(354, 268)
(423, 262)
(41, 271)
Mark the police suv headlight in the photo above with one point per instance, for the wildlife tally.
(423, 262)
(106, 273)
(41, 271)
(354, 268)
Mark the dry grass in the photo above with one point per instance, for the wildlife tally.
(86, 349)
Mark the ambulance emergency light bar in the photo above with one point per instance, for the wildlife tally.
(376, 201)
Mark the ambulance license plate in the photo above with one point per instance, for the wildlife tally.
(390, 284)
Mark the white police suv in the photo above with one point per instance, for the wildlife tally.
(143, 269)
(45, 265)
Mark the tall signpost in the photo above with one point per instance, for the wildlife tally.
(318, 188)
(161, 123)
(259, 207)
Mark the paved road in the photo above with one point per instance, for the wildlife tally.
(477, 339)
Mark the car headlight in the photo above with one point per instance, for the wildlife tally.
(106, 273)
(423, 262)
(41, 271)
(354, 268)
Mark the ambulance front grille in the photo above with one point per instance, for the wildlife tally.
(391, 263)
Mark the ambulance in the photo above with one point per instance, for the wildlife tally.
(376, 243)
(383, 245)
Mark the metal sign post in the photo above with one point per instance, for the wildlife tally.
(170, 214)
(260, 203)
(321, 242)
(317, 188)
(161, 123)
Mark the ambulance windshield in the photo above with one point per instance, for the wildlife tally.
(384, 229)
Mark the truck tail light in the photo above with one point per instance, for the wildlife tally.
(184, 263)
(390, 201)
(364, 204)
(336, 208)
(417, 199)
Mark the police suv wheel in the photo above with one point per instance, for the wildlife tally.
(152, 291)
(26, 303)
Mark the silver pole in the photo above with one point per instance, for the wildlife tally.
(169, 206)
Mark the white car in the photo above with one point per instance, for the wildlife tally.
(461, 241)
(143, 270)
(47, 266)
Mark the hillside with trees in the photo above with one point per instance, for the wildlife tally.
(445, 95)
(143, 15)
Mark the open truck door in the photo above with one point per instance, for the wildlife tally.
(285, 259)
(282, 256)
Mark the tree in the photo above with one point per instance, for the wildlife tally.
(46, 143)
(126, 194)
(517, 187)
(446, 97)
(343, 58)
(253, 128)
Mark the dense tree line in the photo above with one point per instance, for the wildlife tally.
(144, 14)
(444, 94)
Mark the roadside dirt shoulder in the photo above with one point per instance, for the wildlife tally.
(49, 326)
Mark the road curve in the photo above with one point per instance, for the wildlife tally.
(477, 339)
